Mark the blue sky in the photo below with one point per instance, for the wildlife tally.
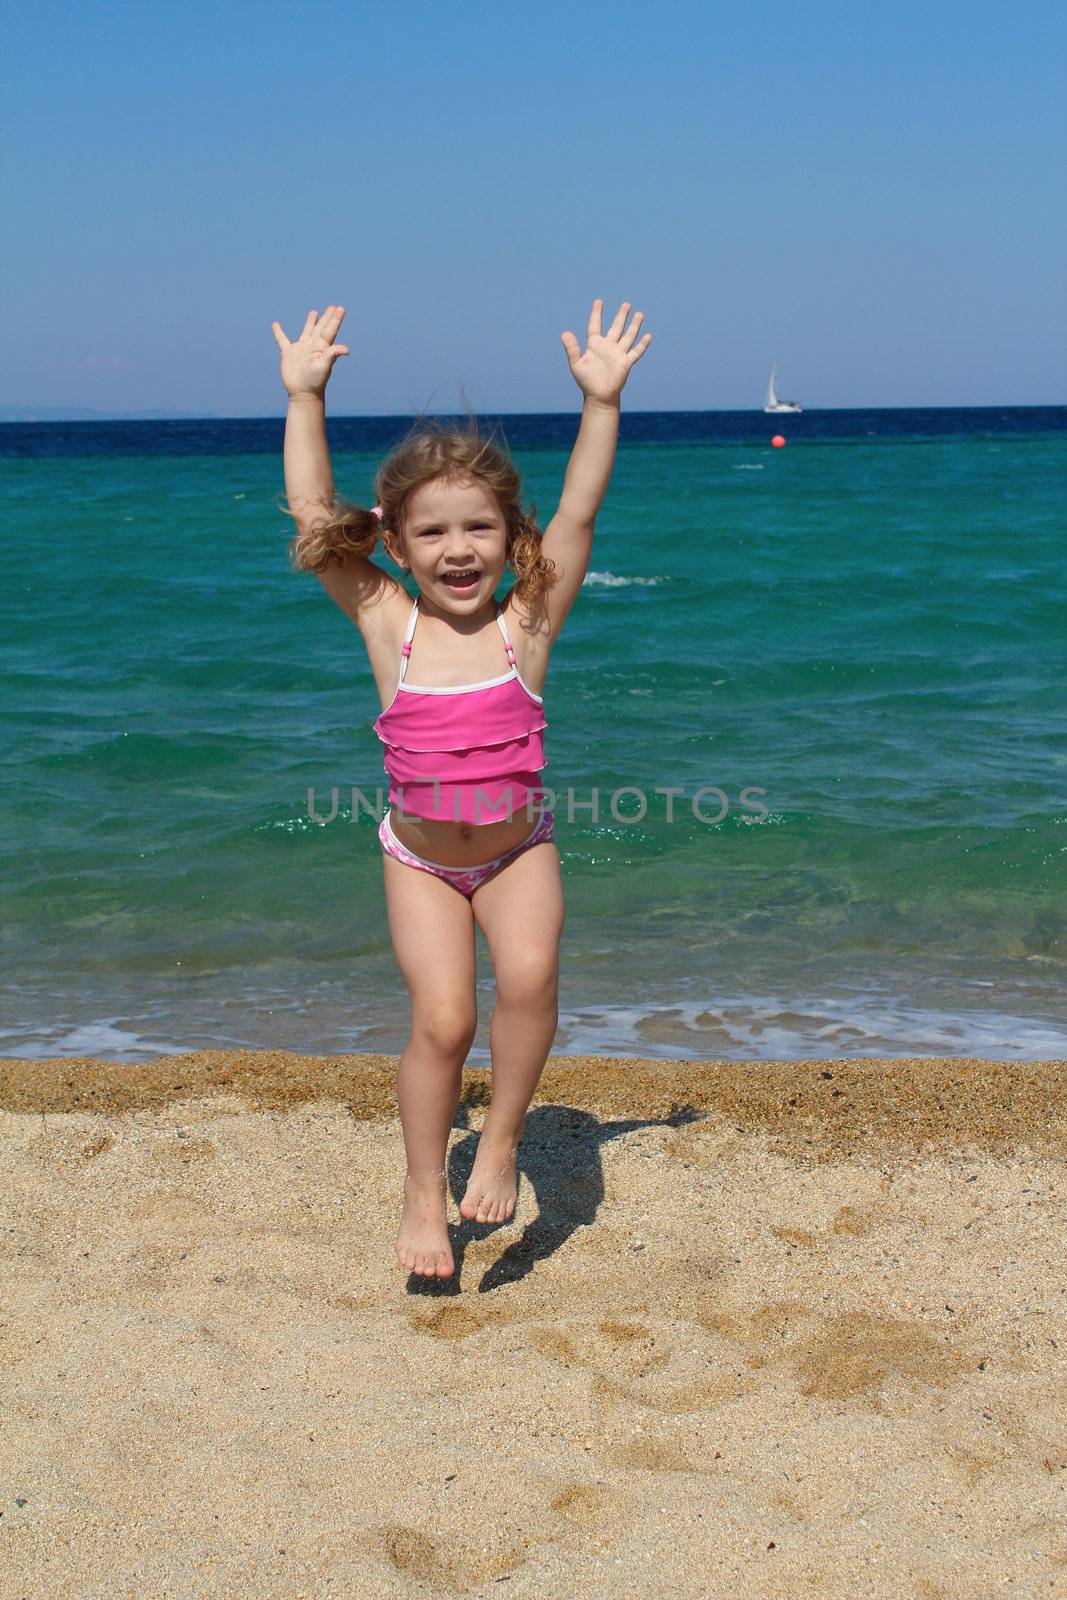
(872, 196)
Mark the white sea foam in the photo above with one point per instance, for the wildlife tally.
(781, 1028)
(100, 1039)
(611, 580)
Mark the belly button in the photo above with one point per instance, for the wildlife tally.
(465, 830)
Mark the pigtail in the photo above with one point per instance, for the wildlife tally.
(338, 530)
(534, 571)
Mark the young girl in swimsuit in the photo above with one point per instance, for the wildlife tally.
(463, 740)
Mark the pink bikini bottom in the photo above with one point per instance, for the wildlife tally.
(465, 879)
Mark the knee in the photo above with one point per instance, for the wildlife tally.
(531, 979)
(448, 1030)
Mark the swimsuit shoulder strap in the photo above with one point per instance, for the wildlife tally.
(405, 649)
(502, 625)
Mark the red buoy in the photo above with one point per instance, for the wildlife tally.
(778, 441)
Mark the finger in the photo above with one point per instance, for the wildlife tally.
(594, 317)
(309, 324)
(283, 342)
(338, 350)
(631, 333)
(620, 318)
(571, 346)
(330, 323)
(321, 329)
(641, 348)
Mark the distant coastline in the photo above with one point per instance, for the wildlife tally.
(85, 414)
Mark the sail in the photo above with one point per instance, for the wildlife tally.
(772, 389)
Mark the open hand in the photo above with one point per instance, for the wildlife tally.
(604, 366)
(307, 363)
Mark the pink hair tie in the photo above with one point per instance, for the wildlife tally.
(376, 511)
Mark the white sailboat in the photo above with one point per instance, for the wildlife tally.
(772, 402)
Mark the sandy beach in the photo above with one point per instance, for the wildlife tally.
(756, 1329)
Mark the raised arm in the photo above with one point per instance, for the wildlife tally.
(600, 372)
(306, 366)
(333, 540)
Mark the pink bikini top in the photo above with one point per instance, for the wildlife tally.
(481, 742)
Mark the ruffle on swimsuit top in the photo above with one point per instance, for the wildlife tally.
(424, 721)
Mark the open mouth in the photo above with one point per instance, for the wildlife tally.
(462, 581)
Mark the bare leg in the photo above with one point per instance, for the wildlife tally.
(432, 928)
(520, 911)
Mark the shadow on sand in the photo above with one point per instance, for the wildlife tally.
(560, 1158)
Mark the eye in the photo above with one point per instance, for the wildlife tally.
(427, 532)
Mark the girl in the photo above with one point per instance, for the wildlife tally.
(463, 739)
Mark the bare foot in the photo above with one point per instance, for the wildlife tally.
(491, 1190)
(422, 1243)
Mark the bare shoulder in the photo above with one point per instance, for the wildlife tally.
(379, 606)
(532, 637)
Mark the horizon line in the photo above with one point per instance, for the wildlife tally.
(366, 416)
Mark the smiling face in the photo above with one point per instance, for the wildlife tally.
(450, 528)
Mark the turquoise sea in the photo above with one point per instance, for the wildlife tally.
(859, 639)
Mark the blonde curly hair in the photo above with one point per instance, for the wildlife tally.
(431, 450)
